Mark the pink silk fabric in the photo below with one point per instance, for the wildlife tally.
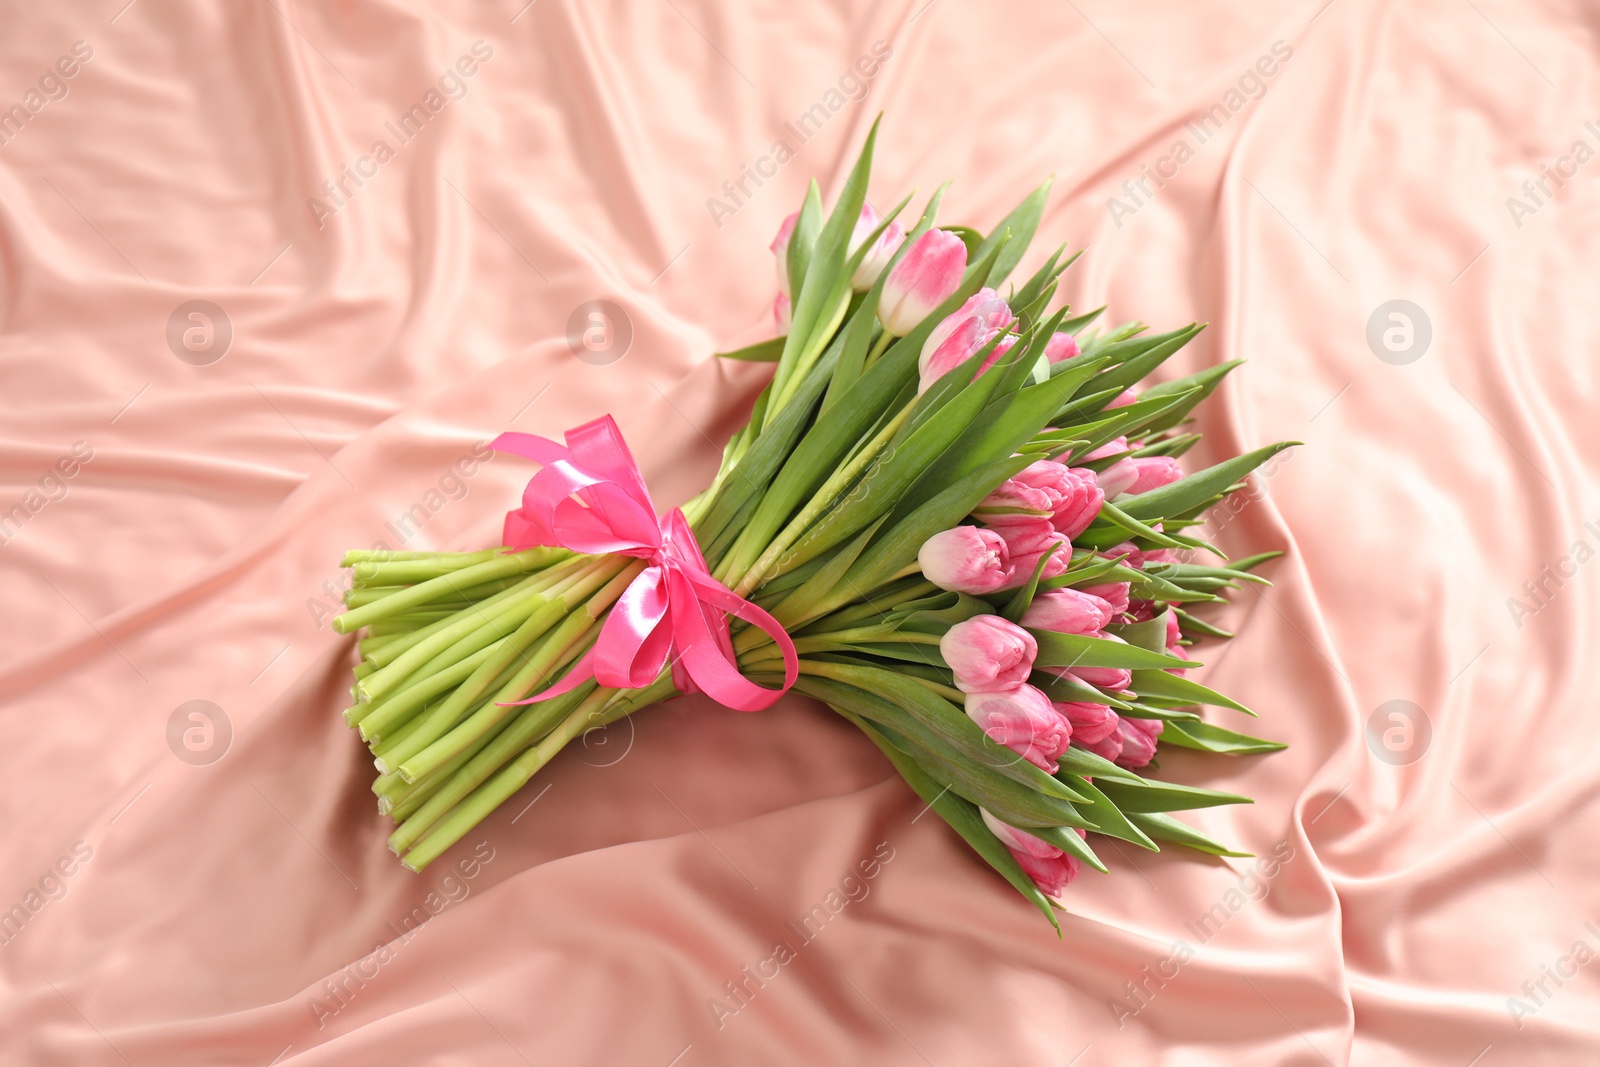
(207, 883)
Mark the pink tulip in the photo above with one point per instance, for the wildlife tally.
(1090, 722)
(1074, 496)
(1138, 741)
(1124, 398)
(962, 333)
(1108, 747)
(780, 249)
(1015, 501)
(926, 276)
(966, 559)
(1114, 593)
(1027, 541)
(1154, 472)
(1050, 868)
(1068, 611)
(1117, 478)
(1174, 636)
(882, 250)
(1061, 346)
(988, 654)
(1110, 448)
(1022, 720)
(780, 312)
(1109, 678)
(1132, 555)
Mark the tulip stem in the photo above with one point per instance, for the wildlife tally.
(884, 340)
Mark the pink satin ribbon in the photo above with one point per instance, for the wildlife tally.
(591, 498)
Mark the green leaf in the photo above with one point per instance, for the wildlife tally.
(1075, 650)
(1142, 710)
(1204, 383)
(1065, 687)
(825, 278)
(1175, 687)
(1250, 563)
(886, 480)
(1208, 738)
(962, 817)
(803, 239)
(1023, 598)
(823, 448)
(1132, 526)
(1007, 424)
(1021, 224)
(1195, 489)
(1150, 795)
(898, 545)
(1081, 761)
(1133, 359)
(916, 711)
(1077, 325)
(1107, 817)
(800, 603)
(1067, 840)
(1181, 573)
(1164, 827)
(1150, 634)
(760, 352)
(988, 781)
(752, 474)
(1035, 286)
(863, 321)
(1194, 624)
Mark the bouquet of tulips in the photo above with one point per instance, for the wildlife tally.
(953, 517)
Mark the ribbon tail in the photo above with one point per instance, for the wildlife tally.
(713, 668)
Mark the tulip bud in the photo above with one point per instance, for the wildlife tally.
(1117, 478)
(1061, 346)
(1109, 678)
(1138, 741)
(1154, 472)
(1114, 593)
(988, 654)
(1124, 398)
(1110, 448)
(882, 250)
(1014, 501)
(780, 249)
(966, 559)
(926, 276)
(1022, 720)
(962, 333)
(1090, 722)
(1073, 493)
(1108, 747)
(1068, 611)
(1050, 868)
(1174, 636)
(1027, 542)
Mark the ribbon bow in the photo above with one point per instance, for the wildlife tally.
(591, 498)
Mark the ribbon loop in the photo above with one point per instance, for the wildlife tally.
(591, 498)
